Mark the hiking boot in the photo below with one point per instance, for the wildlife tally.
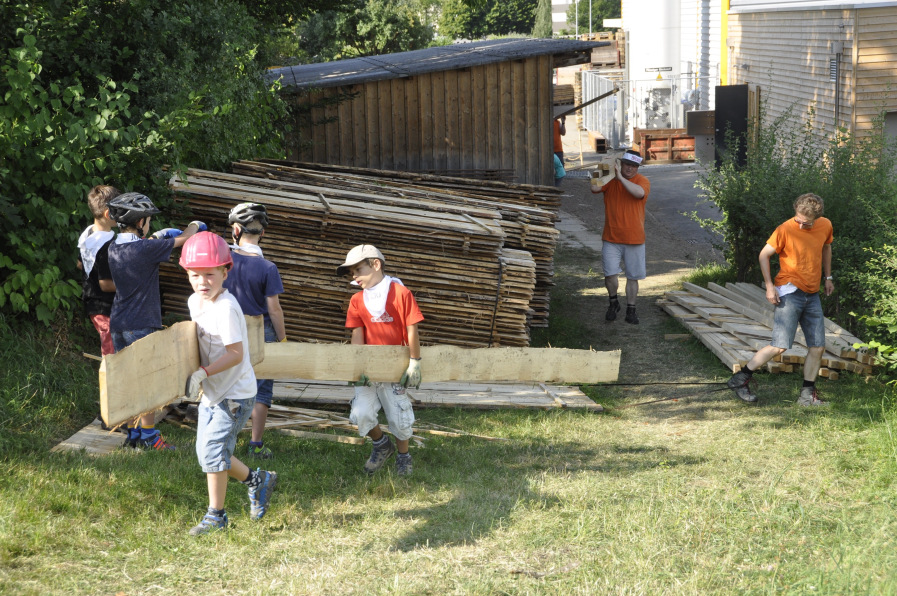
(740, 383)
(154, 442)
(612, 309)
(403, 464)
(631, 317)
(261, 495)
(810, 397)
(379, 456)
(262, 452)
(209, 523)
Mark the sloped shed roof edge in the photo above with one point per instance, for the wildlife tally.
(406, 64)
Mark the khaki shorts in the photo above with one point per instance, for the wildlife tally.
(395, 403)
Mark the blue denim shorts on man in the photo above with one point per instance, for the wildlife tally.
(265, 387)
(123, 339)
(798, 307)
(216, 432)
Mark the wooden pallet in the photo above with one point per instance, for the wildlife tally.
(735, 321)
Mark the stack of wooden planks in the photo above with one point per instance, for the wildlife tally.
(735, 321)
(527, 213)
(473, 289)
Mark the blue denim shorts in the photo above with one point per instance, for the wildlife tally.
(216, 432)
(123, 339)
(798, 307)
(265, 387)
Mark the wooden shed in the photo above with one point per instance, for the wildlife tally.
(838, 58)
(480, 109)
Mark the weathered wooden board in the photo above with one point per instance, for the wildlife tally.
(153, 371)
(92, 439)
(346, 362)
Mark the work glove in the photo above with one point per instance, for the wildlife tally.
(363, 381)
(411, 378)
(167, 233)
(200, 227)
(194, 384)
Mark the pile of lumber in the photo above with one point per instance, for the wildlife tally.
(527, 213)
(473, 289)
(735, 321)
(563, 95)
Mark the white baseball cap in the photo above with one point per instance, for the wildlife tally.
(357, 255)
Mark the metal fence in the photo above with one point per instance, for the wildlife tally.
(641, 104)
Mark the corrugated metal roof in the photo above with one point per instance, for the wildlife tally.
(407, 64)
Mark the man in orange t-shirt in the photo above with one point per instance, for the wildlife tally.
(624, 233)
(560, 129)
(804, 246)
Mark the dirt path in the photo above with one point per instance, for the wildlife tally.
(646, 355)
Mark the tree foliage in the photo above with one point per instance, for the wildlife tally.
(543, 26)
(366, 28)
(601, 9)
(101, 91)
(459, 19)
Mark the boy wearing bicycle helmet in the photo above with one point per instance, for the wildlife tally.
(255, 283)
(137, 308)
(226, 378)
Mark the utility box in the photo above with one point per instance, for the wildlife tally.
(701, 125)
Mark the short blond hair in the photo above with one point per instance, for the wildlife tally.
(98, 197)
(809, 204)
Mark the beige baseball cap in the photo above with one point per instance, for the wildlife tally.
(357, 255)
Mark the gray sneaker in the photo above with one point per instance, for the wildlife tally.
(379, 456)
(809, 397)
(740, 383)
(209, 523)
(403, 464)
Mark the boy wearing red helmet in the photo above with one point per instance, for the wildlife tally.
(226, 378)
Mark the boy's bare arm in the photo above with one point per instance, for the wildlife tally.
(192, 228)
(275, 312)
(107, 285)
(232, 357)
(413, 341)
(357, 336)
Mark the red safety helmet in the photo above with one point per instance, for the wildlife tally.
(205, 249)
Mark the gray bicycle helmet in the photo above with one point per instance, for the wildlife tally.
(128, 209)
(246, 214)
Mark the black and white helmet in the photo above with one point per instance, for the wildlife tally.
(129, 208)
(246, 214)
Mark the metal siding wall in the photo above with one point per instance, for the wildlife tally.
(876, 65)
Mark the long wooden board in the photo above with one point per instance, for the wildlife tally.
(345, 362)
(153, 371)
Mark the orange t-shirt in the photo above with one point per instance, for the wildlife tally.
(391, 328)
(624, 215)
(800, 253)
(558, 143)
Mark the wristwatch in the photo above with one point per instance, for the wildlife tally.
(829, 277)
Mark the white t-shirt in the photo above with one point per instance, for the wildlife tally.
(219, 324)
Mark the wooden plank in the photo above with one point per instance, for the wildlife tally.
(385, 125)
(359, 135)
(412, 108)
(153, 371)
(92, 439)
(343, 362)
(480, 117)
(440, 130)
(304, 434)
(399, 122)
(425, 101)
(372, 127)
(465, 120)
(452, 121)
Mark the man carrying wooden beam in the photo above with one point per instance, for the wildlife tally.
(384, 313)
(804, 246)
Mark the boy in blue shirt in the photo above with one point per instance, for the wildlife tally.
(137, 308)
(255, 283)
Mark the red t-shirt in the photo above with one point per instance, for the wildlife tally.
(800, 253)
(391, 328)
(624, 215)
(558, 142)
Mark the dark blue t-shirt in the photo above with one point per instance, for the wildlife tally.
(135, 271)
(251, 280)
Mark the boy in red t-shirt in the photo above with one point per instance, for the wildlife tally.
(384, 313)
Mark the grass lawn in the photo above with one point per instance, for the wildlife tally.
(703, 495)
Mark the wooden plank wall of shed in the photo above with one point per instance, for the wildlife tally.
(788, 55)
(876, 65)
(496, 116)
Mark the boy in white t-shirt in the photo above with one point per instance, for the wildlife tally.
(226, 378)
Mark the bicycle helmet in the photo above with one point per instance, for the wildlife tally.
(246, 214)
(205, 249)
(128, 209)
